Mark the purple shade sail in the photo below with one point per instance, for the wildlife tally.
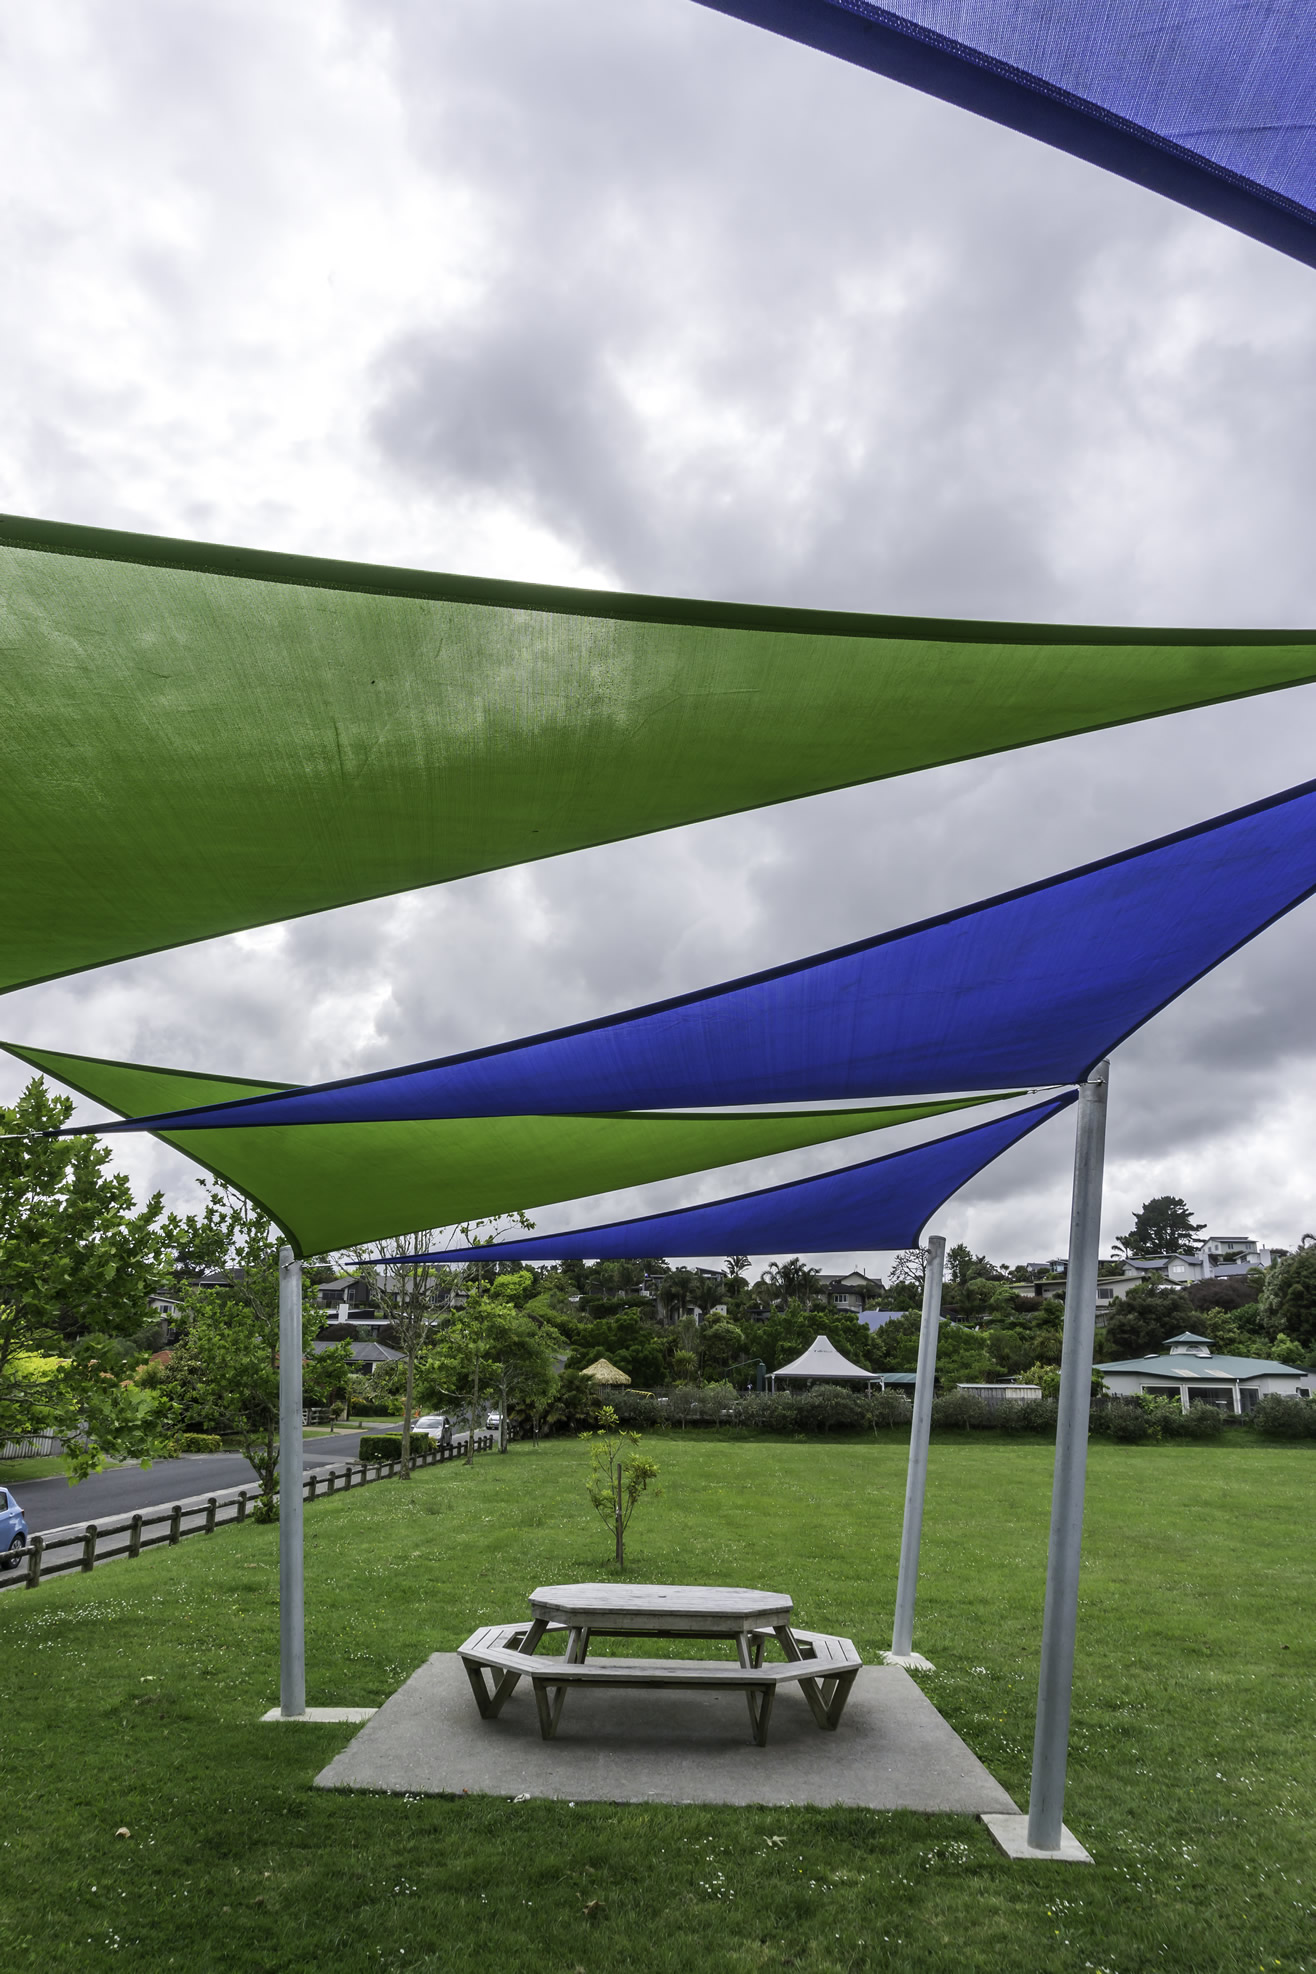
(1028, 990)
(1209, 105)
(882, 1203)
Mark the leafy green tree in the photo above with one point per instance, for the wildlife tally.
(1162, 1225)
(795, 1280)
(78, 1263)
(224, 1374)
(724, 1344)
(619, 1473)
(413, 1295)
(575, 1402)
(1139, 1325)
(1288, 1298)
(462, 1364)
(524, 1370)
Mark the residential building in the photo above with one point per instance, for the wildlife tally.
(348, 1302)
(368, 1356)
(1189, 1370)
(853, 1291)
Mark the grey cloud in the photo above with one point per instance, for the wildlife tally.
(699, 311)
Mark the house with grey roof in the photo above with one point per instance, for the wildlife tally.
(1191, 1371)
(367, 1355)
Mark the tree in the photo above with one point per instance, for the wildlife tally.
(224, 1375)
(1162, 1225)
(723, 1345)
(463, 1361)
(619, 1473)
(1140, 1324)
(733, 1271)
(794, 1280)
(909, 1268)
(524, 1366)
(1288, 1297)
(78, 1263)
(411, 1294)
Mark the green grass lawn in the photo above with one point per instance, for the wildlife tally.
(131, 1699)
(14, 1472)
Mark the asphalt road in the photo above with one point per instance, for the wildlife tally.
(54, 1503)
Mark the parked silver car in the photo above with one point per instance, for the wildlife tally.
(438, 1425)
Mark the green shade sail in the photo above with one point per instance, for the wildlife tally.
(200, 739)
(336, 1185)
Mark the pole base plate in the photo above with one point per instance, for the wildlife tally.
(911, 1661)
(316, 1715)
(1011, 1834)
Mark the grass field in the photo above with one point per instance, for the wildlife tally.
(131, 1699)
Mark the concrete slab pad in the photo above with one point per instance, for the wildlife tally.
(316, 1715)
(1011, 1834)
(891, 1751)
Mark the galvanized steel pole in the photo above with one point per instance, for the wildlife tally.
(1046, 1801)
(902, 1631)
(292, 1613)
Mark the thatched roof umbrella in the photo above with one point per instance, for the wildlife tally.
(604, 1373)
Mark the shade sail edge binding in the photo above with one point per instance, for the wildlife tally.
(404, 718)
(344, 1185)
(320, 572)
(831, 1212)
(1027, 989)
(893, 42)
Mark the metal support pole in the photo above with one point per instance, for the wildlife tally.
(1046, 1801)
(902, 1631)
(292, 1613)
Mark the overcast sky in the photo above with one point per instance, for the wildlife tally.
(641, 297)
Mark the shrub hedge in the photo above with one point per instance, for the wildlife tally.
(200, 1443)
(1285, 1418)
(826, 1409)
(378, 1447)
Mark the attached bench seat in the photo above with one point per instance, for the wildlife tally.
(825, 1672)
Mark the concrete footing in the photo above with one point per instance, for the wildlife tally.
(1011, 1834)
(911, 1661)
(314, 1714)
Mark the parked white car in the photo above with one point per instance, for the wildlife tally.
(494, 1422)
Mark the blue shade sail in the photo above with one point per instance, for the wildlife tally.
(883, 1203)
(1030, 989)
(1209, 104)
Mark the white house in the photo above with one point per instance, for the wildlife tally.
(1189, 1370)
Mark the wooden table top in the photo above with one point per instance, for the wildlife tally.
(655, 1608)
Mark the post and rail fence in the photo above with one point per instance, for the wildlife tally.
(103, 1542)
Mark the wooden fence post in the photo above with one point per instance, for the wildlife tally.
(175, 1521)
(210, 1514)
(89, 1546)
(314, 1480)
(242, 1504)
(347, 1476)
(34, 1562)
(135, 1536)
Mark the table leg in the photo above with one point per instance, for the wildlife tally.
(760, 1700)
(550, 1711)
(811, 1688)
(744, 1649)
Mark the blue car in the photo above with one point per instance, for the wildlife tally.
(13, 1530)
